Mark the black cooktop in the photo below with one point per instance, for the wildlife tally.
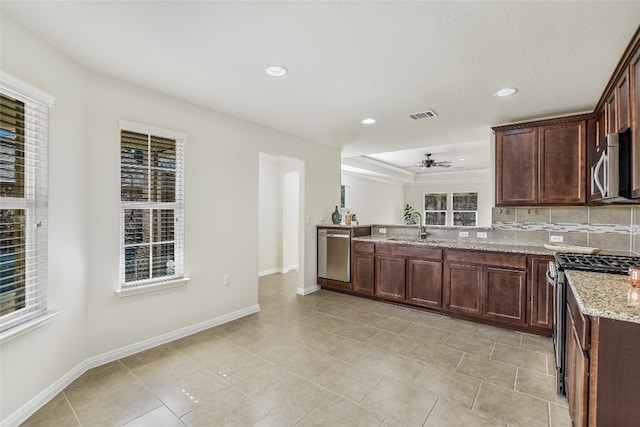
(616, 264)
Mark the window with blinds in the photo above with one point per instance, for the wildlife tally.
(23, 202)
(152, 205)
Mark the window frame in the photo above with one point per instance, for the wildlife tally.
(449, 211)
(34, 202)
(126, 288)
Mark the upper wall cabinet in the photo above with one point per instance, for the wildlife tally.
(634, 107)
(541, 163)
(619, 110)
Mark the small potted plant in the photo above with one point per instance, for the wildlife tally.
(409, 217)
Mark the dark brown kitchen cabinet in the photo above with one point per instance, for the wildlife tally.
(463, 289)
(492, 286)
(602, 374)
(541, 307)
(424, 282)
(577, 374)
(563, 156)
(363, 267)
(623, 119)
(517, 167)
(390, 277)
(505, 295)
(610, 113)
(542, 163)
(634, 110)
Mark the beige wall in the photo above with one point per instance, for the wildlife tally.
(222, 210)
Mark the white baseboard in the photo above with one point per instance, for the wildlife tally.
(289, 268)
(28, 409)
(308, 290)
(269, 271)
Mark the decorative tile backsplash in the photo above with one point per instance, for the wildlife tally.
(607, 227)
(614, 228)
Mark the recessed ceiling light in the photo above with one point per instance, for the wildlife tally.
(506, 92)
(368, 121)
(276, 70)
(462, 160)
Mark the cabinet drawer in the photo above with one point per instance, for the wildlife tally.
(409, 251)
(363, 247)
(580, 321)
(488, 258)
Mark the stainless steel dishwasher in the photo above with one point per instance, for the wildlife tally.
(334, 254)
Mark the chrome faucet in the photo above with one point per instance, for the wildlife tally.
(422, 230)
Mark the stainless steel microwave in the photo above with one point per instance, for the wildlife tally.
(611, 174)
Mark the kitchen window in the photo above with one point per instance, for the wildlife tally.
(463, 209)
(24, 132)
(435, 209)
(151, 208)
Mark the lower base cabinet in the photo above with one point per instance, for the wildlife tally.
(363, 268)
(390, 278)
(424, 283)
(487, 285)
(463, 288)
(602, 373)
(503, 289)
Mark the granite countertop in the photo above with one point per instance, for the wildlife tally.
(459, 244)
(603, 295)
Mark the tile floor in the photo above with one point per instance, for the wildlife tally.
(325, 359)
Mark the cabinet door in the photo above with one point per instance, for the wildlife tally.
(505, 295)
(463, 289)
(563, 163)
(390, 277)
(622, 104)
(541, 294)
(363, 273)
(517, 167)
(577, 375)
(634, 104)
(610, 113)
(424, 282)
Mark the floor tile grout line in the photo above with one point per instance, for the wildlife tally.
(73, 410)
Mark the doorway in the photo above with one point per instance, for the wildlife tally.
(279, 210)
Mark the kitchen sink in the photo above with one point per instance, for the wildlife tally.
(412, 239)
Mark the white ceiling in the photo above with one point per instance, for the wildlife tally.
(351, 60)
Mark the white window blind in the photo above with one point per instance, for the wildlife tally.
(152, 205)
(24, 131)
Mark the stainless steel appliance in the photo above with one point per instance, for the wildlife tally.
(334, 254)
(611, 174)
(555, 276)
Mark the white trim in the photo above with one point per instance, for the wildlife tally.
(269, 272)
(17, 86)
(26, 327)
(153, 130)
(25, 411)
(152, 287)
(289, 268)
(308, 290)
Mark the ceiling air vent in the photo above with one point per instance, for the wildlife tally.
(423, 115)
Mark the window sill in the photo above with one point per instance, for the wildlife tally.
(27, 327)
(152, 287)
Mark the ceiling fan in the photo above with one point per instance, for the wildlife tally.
(429, 162)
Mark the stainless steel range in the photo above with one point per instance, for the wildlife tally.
(613, 264)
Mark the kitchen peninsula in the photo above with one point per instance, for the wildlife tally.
(603, 341)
